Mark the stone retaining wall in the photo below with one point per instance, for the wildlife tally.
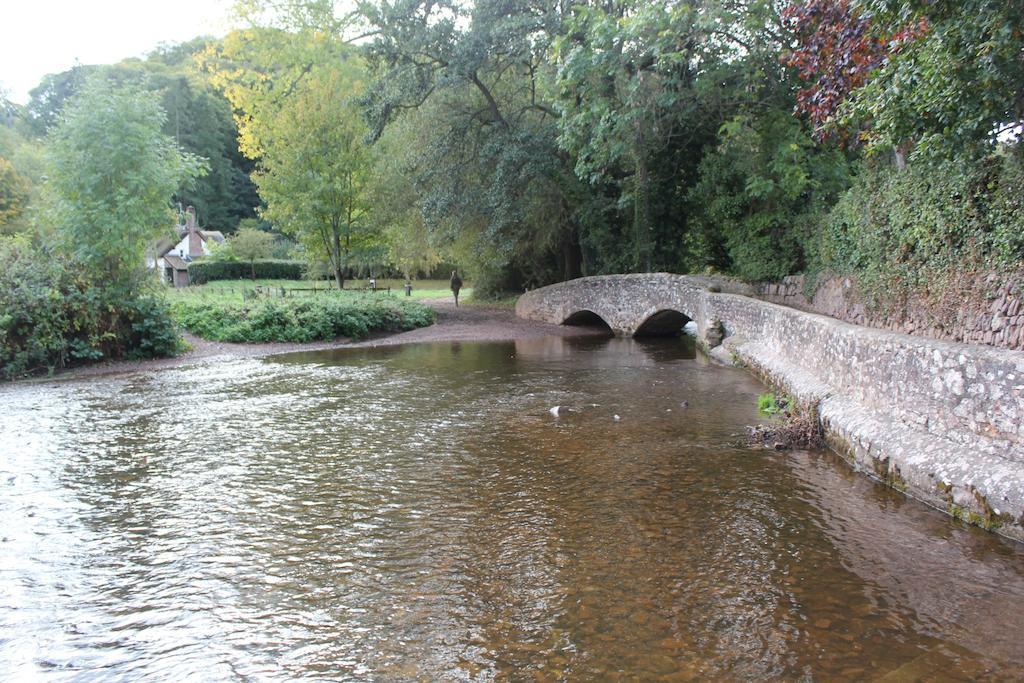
(940, 420)
(997, 320)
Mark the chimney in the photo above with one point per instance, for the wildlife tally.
(195, 242)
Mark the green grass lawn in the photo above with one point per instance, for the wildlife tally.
(233, 289)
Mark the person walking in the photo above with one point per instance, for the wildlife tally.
(456, 284)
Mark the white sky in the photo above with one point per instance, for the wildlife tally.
(39, 37)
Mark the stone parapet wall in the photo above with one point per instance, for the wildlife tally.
(954, 391)
(995, 320)
(943, 421)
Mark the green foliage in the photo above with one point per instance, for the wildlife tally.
(768, 405)
(13, 193)
(200, 121)
(759, 194)
(643, 88)
(22, 172)
(33, 325)
(258, 244)
(951, 91)
(198, 118)
(321, 317)
(296, 92)
(52, 316)
(153, 333)
(313, 176)
(201, 272)
(624, 71)
(915, 230)
(394, 214)
(529, 143)
(249, 244)
(112, 173)
(46, 100)
(469, 86)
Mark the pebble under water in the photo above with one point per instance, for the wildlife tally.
(418, 513)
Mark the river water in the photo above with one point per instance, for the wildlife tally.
(417, 513)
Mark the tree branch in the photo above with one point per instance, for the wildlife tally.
(492, 104)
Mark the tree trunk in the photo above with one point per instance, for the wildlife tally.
(572, 256)
(339, 278)
(900, 158)
(642, 197)
(642, 211)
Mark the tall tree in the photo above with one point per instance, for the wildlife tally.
(294, 96)
(22, 169)
(759, 194)
(912, 75)
(198, 118)
(494, 184)
(47, 100)
(393, 192)
(13, 194)
(644, 86)
(314, 173)
(112, 174)
(619, 85)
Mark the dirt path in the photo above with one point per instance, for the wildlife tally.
(465, 323)
(476, 323)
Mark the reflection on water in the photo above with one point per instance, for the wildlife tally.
(417, 513)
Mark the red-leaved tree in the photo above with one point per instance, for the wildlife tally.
(838, 49)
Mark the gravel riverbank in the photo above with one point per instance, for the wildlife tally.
(465, 323)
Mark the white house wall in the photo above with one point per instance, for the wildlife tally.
(181, 248)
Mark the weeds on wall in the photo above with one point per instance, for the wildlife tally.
(791, 426)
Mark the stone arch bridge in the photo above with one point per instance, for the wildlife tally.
(633, 305)
(943, 421)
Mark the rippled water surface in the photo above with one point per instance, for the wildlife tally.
(416, 513)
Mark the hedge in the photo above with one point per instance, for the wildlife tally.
(201, 272)
(322, 317)
(914, 230)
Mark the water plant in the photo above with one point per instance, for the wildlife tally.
(768, 404)
(796, 426)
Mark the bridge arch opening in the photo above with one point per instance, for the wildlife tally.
(663, 323)
(586, 318)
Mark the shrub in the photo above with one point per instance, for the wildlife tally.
(916, 230)
(322, 317)
(201, 272)
(52, 316)
(153, 333)
(33, 317)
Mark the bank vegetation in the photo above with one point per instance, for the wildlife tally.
(525, 143)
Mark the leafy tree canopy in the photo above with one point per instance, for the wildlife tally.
(294, 95)
(475, 79)
(198, 118)
(13, 194)
(931, 77)
(112, 174)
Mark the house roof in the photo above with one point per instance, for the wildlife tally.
(175, 262)
(162, 246)
(215, 235)
(165, 244)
